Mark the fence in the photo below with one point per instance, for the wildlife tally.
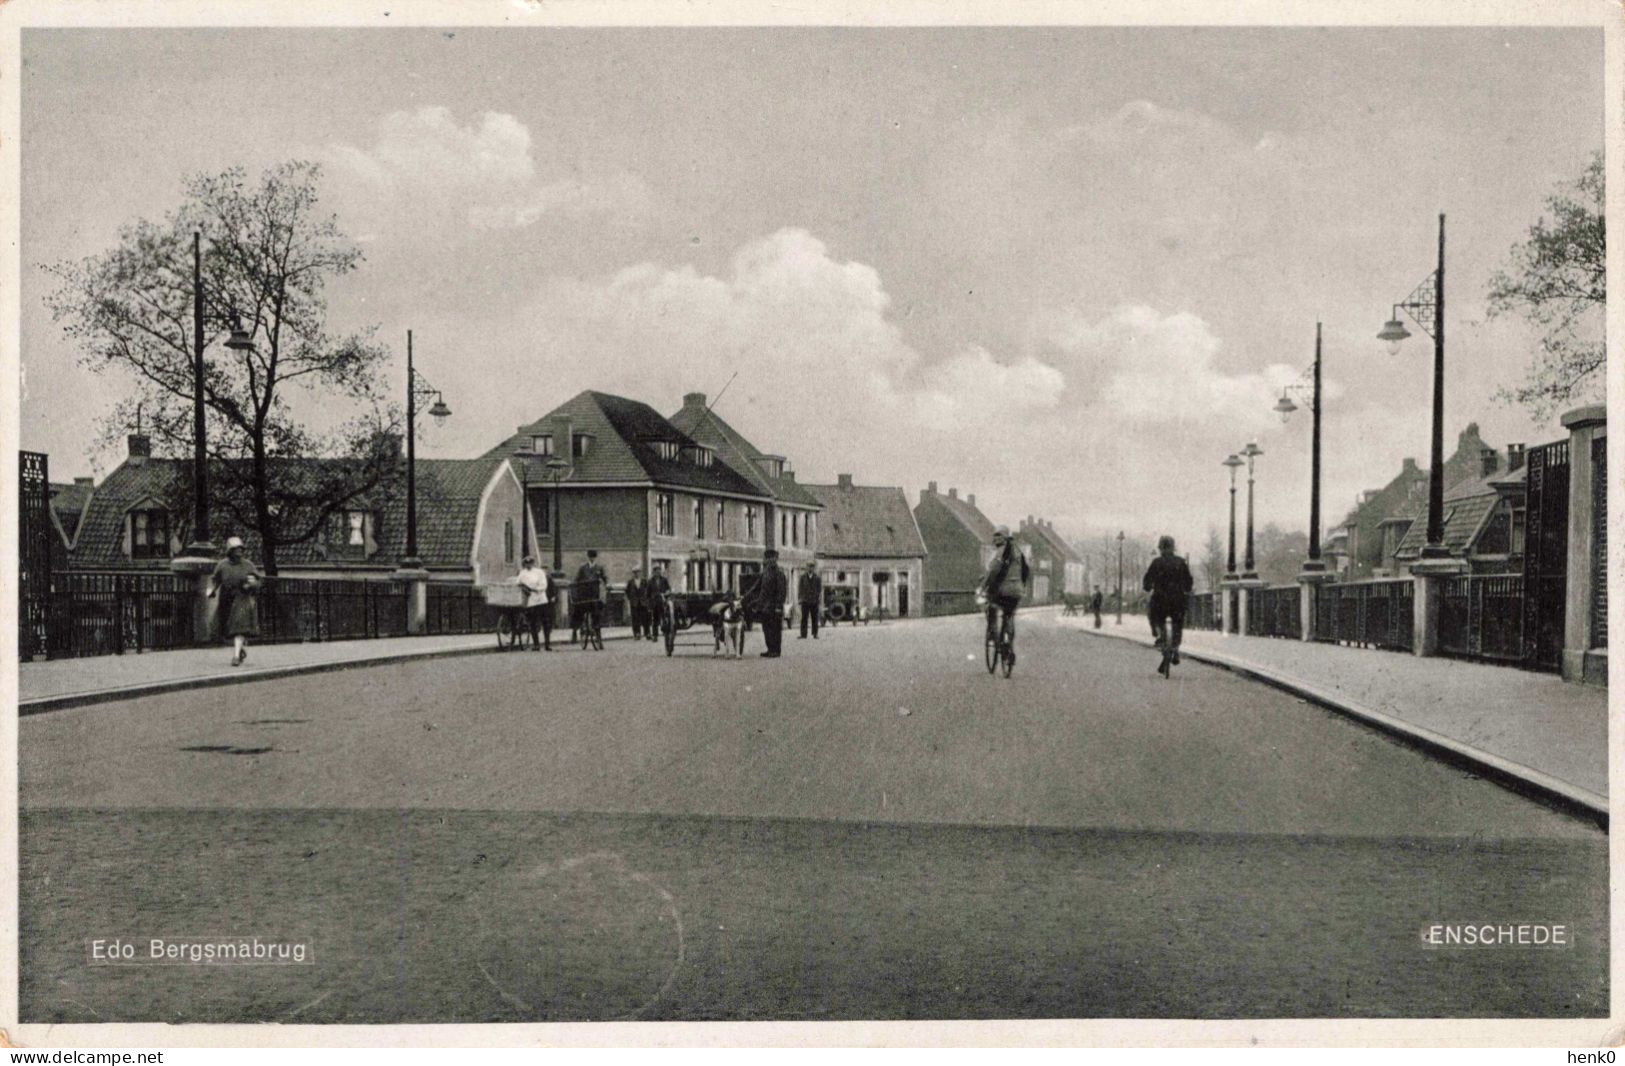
(1375, 614)
(1273, 612)
(950, 601)
(1482, 617)
(457, 609)
(95, 613)
(1202, 611)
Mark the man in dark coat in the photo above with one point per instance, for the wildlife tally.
(810, 596)
(592, 583)
(1095, 602)
(637, 602)
(1168, 580)
(767, 600)
(658, 586)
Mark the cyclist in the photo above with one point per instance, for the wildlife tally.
(1006, 582)
(591, 580)
(1168, 580)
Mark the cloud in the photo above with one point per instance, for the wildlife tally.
(424, 161)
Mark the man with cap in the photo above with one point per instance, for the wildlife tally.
(1005, 584)
(810, 596)
(767, 602)
(637, 602)
(591, 583)
(657, 588)
(1168, 579)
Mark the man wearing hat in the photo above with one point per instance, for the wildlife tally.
(658, 587)
(637, 602)
(538, 603)
(591, 584)
(767, 602)
(810, 595)
(1004, 586)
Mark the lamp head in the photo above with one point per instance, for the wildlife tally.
(1252, 449)
(240, 340)
(439, 412)
(1284, 407)
(1232, 462)
(1393, 332)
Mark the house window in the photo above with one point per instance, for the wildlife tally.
(541, 512)
(542, 444)
(703, 455)
(149, 534)
(699, 519)
(352, 535)
(666, 449)
(812, 529)
(507, 540)
(665, 515)
(722, 514)
(581, 444)
(784, 527)
(750, 523)
(1518, 516)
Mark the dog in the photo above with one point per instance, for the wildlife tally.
(728, 628)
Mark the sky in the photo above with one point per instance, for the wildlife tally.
(1065, 269)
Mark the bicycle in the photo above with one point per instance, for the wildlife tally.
(591, 631)
(1000, 648)
(1170, 649)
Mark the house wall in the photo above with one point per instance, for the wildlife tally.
(860, 574)
(957, 558)
(501, 507)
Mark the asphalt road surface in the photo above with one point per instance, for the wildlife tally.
(870, 827)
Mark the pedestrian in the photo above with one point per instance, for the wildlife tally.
(637, 602)
(810, 595)
(1168, 579)
(1095, 603)
(767, 599)
(658, 587)
(538, 586)
(237, 580)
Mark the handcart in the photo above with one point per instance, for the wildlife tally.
(682, 612)
(511, 602)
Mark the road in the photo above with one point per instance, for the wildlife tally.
(869, 827)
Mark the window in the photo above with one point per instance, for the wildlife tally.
(795, 529)
(1518, 516)
(666, 449)
(507, 540)
(541, 512)
(352, 534)
(665, 515)
(812, 529)
(750, 523)
(784, 527)
(703, 456)
(149, 534)
(542, 444)
(722, 514)
(581, 444)
(699, 519)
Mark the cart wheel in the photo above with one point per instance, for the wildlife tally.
(505, 630)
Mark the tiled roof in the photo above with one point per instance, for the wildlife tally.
(967, 514)
(1056, 542)
(448, 498)
(68, 501)
(1466, 505)
(624, 432)
(707, 427)
(867, 522)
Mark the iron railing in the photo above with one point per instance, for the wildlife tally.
(99, 613)
(1599, 542)
(1375, 614)
(1481, 617)
(1274, 612)
(309, 609)
(1202, 611)
(453, 608)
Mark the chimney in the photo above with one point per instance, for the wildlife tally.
(1490, 460)
(564, 445)
(140, 448)
(1410, 466)
(1515, 458)
(85, 482)
(932, 488)
(843, 481)
(953, 494)
(789, 475)
(971, 499)
(694, 400)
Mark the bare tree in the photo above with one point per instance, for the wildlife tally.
(1213, 559)
(267, 258)
(1557, 280)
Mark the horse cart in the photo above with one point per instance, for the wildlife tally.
(688, 614)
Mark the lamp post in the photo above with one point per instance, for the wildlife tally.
(1249, 570)
(416, 386)
(1232, 462)
(1314, 564)
(555, 471)
(240, 340)
(556, 468)
(1120, 577)
(1425, 306)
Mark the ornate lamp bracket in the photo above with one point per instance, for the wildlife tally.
(1422, 304)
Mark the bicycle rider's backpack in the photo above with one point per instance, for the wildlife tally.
(1010, 582)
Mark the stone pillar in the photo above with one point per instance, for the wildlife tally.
(1242, 586)
(204, 606)
(1227, 606)
(1581, 660)
(1309, 582)
(417, 599)
(1430, 576)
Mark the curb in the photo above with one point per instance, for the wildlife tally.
(66, 701)
(1518, 777)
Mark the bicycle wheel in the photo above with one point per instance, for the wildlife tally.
(506, 633)
(991, 652)
(1009, 654)
(597, 634)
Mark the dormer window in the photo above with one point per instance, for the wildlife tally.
(581, 444)
(667, 449)
(149, 534)
(703, 456)
(542, 444)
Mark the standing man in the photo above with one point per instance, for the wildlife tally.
(810, 595)
(1095, 603)
(591, 584)
(658, 587)
(1168, 580)
(637, 602)
(538, 586)
(767, 602)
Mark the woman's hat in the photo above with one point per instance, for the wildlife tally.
(529, 559)
(233, 542)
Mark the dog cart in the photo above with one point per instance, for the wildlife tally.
(682, 612)
(510, 602)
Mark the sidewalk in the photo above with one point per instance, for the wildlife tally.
(1548, 734)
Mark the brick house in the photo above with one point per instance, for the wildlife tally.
(791, 518)
(1483, 519)
(959, 541)
(871, 544)
(1057, 569)
(639, 491)
(468, 523)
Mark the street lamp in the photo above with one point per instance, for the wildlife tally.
(1425, 306)
(555, 469)
(1232, 462)
(1120, 577)
(240, 340)
(1252, 452)
(417, 387)
(1311, 391)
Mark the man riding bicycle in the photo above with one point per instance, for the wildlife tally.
(1168, 580)
(1006, 582)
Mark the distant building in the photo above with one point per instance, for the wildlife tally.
(871, 544)
(1483, 519)
(1057, 569)
(959, 541)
